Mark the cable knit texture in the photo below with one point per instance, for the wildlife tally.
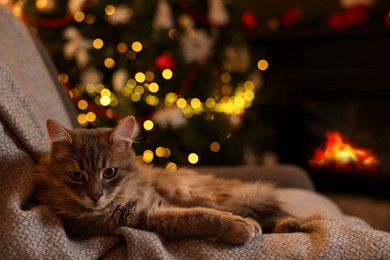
(34, 232)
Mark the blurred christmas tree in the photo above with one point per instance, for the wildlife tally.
(184, 68)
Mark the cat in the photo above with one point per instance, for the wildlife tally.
(91, 180)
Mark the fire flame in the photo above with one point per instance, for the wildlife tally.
(338, 152)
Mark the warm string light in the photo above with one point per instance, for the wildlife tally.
(161, 152)
(148, 125)
(135, 89)
(79, 16)
(262, 65)
(109, 9)
(193, 158)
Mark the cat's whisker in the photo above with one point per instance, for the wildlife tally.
(127, 197)
(136, 139)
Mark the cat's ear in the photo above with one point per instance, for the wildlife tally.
(124, 131)
(57, 133)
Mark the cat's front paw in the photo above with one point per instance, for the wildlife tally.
(242, 230)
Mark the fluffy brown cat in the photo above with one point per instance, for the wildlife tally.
(91, 180)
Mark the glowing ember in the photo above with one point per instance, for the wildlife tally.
(338, 152)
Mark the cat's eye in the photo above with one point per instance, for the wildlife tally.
(76, 176)
(110, 173)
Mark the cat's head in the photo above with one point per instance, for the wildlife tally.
(88, 166)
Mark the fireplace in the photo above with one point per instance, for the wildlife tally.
(338, 153)
(322, 81)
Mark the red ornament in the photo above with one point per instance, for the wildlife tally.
(337, 21)
(354, 16)
(357, 15)
(164, 61)
(387, 20)
(291, 16)
(249, 20)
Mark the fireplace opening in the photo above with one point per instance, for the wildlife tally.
(340, 154)
(331, 82)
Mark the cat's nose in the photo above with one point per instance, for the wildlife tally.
(95, 197)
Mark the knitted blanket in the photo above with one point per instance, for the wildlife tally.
(34, 232)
